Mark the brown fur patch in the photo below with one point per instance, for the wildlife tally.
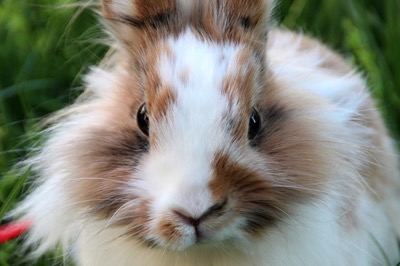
(151, 8)
(262, 200)
(160, 96)
(104, 154)
(169, 229)
(252, 196)
(161, 102)
(108, 158)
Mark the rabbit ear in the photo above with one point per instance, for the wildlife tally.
(242, 21)
(137, 23)
(255, 9)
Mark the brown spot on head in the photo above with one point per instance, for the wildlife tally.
(161, 102)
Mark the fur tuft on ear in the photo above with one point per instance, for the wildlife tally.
(136, 10)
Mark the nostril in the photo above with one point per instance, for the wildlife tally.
(216, 208)
(187, 218)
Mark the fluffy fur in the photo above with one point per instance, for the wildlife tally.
(317, 185)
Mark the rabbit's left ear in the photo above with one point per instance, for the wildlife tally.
(245, 21)
(137, 23)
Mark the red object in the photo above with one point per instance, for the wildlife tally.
(13, 230)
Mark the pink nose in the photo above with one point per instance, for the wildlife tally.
(187, 218)
(215, 210)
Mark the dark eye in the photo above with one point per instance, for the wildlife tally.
(143, 119)
(245, 22)
(160, 20)
(254, 124)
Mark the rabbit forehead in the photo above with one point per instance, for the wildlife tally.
(190, 104)
(187, 68)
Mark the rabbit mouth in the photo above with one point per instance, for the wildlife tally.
(200, 241)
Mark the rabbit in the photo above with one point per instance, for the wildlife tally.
(210, 137)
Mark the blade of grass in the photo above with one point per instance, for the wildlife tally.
(12, 196)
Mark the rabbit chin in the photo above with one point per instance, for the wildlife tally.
(186, 237)
(190, 242)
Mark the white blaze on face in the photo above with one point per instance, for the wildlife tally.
(178, 168)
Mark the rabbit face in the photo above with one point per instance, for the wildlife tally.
(197, 164)
(199, 99)
(200, 70)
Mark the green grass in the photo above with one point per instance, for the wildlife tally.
(45, 47)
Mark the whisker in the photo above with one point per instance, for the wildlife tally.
(363, 251)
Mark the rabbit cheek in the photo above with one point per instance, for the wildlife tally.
(104, 167)
(254, 200)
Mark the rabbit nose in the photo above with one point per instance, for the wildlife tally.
(187, 218)
(215, 209)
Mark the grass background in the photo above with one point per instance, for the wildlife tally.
(46, 44)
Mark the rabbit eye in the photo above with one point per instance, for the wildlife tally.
(254, 124)
(160, 20)
(143, 119)
(245, 22)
